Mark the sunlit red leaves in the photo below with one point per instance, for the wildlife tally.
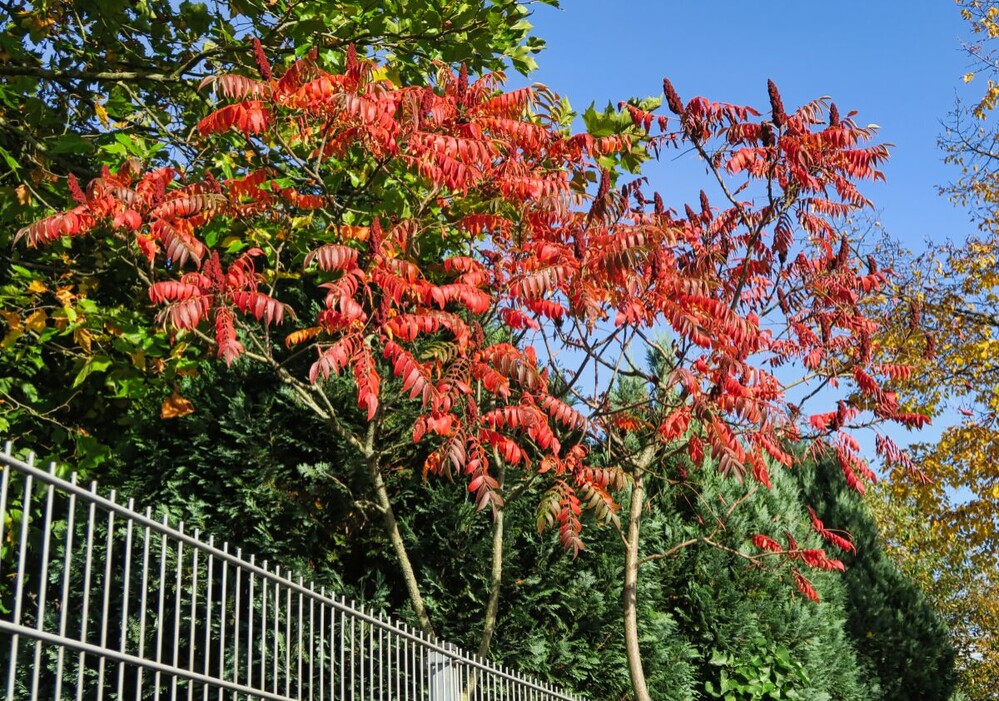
(332, 257)
(367, 380)
(248, 117)
(766, 543)
(560, 505)
(235, 87)
(334, 358)
(178, 240)
(75, 222)
(188, 303)
(563, 413)
(854, 467)
(748, 279)
(812, 557)
(259, 305)
(415, 376)
(186, 205)
(127, 219)
(804, 586)
(215, 293)
(840, 541)
(526, 418)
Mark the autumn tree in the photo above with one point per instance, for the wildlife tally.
(76, 74)
(949, 336)
(440, 246)
(936, 559)
(85, 83)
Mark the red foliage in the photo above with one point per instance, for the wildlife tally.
(741, 287)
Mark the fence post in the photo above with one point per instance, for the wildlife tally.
(445, 676)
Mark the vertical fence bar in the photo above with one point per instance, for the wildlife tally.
(381, 660)
(367, 659)
(87, 573)
(236, 619)
(124, 599)
(407, 675)
(277, 620)
(222, 618)
(176, 612)
(398, 666)
(19, 585)
(261, 684)
(249, 629)
(209, 581)
(192, 628)
(312, 641)
(43, 581)
(287, 642)
(343, 671)
(353, 637)
(333, 675)
(159, 609)
(301, 630)
(105, 607)
(322, 646)
(67, 571)
(142, 603)
(4, 487)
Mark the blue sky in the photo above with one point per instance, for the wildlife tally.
(899, 65)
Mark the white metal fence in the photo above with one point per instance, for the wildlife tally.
(100, 601)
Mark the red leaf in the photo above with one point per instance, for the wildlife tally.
(765, 543)
(804, 586)
(129, 219)
(187, 205)
(248, 117)
(262, 307)
(333, 257)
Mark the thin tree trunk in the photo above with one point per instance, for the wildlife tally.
(631, 563)
(495, 574)
(398, 544)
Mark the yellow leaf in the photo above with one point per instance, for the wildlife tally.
(138, 357)
(83, 337)
(14, 329)
(102, 114)
(968, 77)
(36, 321)
(64, 296)
(995, 491)
(12, 319)
(36, 287)
(296, 337)
(175, 406)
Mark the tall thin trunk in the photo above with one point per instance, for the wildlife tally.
(495, 574)
(398, 544)
(632, 542)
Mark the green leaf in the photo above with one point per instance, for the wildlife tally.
(9, 160)
(70, 143)
(97, 363)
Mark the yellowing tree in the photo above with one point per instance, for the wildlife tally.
(945, 532)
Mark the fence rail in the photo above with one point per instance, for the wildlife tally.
(100, 601)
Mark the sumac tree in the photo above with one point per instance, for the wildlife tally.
(439, 246)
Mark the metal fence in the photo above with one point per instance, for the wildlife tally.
(100, 601)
